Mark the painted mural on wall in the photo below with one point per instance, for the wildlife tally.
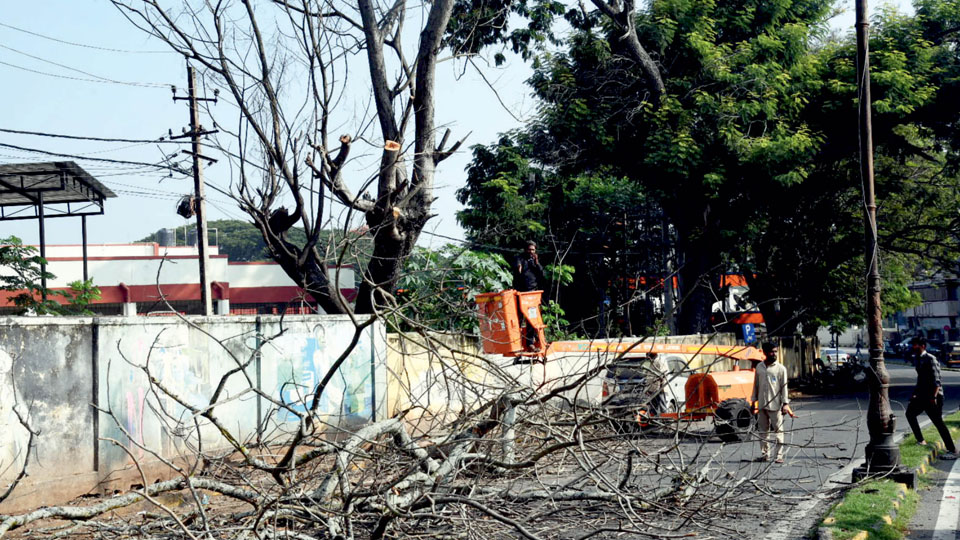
(64, 367)
(303, 358)
(188, 364)
(145, 416)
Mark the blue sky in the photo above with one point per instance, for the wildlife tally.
(80, 68)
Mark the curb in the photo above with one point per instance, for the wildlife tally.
(935, 448)
(825, 531)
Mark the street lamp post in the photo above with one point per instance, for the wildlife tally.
(882, 453)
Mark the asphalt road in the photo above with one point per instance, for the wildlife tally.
(824, 443)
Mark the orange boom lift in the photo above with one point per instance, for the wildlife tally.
(723, 395)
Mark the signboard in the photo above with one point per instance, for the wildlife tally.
(749, 333)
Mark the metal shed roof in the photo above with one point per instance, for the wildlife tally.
(52, 183)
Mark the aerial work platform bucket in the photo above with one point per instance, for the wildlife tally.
(500, 315)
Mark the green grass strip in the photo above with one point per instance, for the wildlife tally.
(864, 506)
(913, 455)
(863, 509)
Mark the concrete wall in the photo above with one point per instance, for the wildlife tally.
(57, 371)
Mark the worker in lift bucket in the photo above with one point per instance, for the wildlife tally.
(527, 272)
(528, 276)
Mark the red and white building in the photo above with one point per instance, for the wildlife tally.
(135, 279)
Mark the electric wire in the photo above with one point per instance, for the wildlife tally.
(171, 168)
(89, 138)
(80, 71)
(75, 44)
(102, 80)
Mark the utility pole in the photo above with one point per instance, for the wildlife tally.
(200, 207)
(882, 453)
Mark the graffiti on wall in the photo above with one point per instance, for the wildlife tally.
(306, 358)
(143, 416)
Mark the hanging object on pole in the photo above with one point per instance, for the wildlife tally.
(187, 207)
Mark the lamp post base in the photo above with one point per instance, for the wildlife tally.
(899, 474)
(883, 461)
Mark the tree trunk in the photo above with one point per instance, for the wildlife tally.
(383, 271)
(698, 275)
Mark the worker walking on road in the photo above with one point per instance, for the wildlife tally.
(928, 396)
(770, 401)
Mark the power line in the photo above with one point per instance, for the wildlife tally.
(82, 44)
(87, 138)
(80, 71)
(101, 80)
(171, 168)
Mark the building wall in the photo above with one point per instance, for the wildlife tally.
(58, 371)
(938, 317)
(132, 273)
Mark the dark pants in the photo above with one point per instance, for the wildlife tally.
(658, 403)
(934, 410)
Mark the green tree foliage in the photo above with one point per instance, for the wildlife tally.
(723, 125)
(598, 223)
(24, 276)
(819, 222)
(752, 150)
(438, 287)
(475, 24)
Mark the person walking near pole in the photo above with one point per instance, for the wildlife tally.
(770, 401)
(928, 396)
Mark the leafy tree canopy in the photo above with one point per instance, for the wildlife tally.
(752, 150)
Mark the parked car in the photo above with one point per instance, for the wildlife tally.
(902, 347)
(950, 354)
(626, 386)
(841, 369)
(836, 357)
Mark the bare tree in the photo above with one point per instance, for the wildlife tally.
(289, 67)
(482, 447)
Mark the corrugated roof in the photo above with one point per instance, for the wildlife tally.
(59, 181)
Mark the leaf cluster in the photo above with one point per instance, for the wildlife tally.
(24, 276)
(438, 287)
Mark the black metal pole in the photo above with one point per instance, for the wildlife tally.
(43, 249)
(882, 454)
(83, 234)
